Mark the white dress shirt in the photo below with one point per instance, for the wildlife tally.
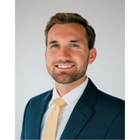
(71, 99)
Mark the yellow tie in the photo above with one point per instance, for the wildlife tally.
(51, 127)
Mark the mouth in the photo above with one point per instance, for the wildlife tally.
(65, 67)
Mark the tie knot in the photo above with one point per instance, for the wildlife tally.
(60, 102)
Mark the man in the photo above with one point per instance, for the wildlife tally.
(88, 113)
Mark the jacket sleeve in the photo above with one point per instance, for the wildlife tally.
(117, 128)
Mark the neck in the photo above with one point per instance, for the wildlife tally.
(63, 89)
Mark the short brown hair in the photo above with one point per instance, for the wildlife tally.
(63, 18)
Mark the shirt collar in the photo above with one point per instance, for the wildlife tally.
(54, 96)
(71, 97)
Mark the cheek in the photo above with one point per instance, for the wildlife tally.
(50, 58)
(83, 55)
(80, 59)
(84, 59)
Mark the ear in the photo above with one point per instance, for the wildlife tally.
(92, 55)
(46, 54)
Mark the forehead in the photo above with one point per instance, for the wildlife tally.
(67, 30)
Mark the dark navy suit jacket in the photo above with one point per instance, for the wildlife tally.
(96, 116)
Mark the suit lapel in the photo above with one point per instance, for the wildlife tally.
(81, 113)
(39, 114)
(78, 119)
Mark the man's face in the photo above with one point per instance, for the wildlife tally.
(67, 54)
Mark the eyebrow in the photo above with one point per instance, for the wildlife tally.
(74, 41)
(52, 42)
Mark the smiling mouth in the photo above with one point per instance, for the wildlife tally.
(64, 67)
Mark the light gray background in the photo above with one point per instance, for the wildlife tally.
(107, 71)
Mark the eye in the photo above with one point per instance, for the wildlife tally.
(74, 45)
(55, 45)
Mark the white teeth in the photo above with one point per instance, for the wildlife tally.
(64, 66)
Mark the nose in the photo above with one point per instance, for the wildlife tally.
(64, 53)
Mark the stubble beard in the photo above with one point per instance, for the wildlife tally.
(65, 77)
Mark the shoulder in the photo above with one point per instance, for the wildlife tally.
(102, 99)
(37, 100)
(37, 103)
(110, 101)
(41, 96)
(109, 105)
